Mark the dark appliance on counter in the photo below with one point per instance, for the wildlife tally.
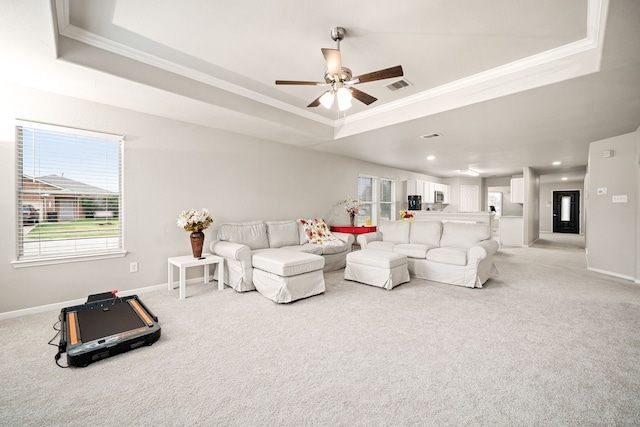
(438, 197)
(415, 203)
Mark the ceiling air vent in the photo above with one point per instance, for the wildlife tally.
(399, 84)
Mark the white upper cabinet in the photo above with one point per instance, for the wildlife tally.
(427, 189)
(517, 190)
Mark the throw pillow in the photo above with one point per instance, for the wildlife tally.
(317, 230)
(283, 233)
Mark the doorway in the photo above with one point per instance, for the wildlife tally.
(566, 210)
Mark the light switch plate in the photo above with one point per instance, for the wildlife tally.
(619, 198)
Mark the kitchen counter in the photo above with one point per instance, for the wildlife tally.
(454, 216)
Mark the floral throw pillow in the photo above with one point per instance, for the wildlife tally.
(317, 230)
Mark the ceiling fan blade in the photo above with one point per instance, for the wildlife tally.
(365, 98)
(334, 63)
(297, 82)
(316, 101)
(380, 74)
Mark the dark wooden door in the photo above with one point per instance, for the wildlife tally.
(566, 210)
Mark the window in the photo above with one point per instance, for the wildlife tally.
(378, 197)
(367, 186)
(387, 199)
(69, 193)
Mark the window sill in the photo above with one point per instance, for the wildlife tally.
(67, 259)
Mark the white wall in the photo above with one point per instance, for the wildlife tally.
(612, 228)
(169, 166)
(531, 211)
(455, 184)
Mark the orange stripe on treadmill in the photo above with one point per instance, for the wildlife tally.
(72, 328)
(141, 312)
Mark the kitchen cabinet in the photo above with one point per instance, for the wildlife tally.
(517, 190)
(511, 231)
(415, 187)
(444, 188)
(429, 188)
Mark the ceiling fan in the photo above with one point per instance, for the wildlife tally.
(340, 79)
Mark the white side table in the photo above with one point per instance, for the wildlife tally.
(183, 262)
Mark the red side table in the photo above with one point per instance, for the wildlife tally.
(352, 230)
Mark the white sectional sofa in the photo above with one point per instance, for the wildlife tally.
(238, 242)
(456, 253)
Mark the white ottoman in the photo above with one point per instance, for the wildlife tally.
(377, 268)
(285, 276)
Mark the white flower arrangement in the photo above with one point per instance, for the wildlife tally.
(351, 205)
(194, 221)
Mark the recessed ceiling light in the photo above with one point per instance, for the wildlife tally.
(430, 135)
(431, 157)
(556, 163)
(564, 178)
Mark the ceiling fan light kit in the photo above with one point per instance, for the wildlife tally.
(341, 79)
(327, 100)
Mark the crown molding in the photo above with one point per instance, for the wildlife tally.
(561, 63)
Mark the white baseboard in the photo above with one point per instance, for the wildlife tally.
(610, 273)
(60, 305)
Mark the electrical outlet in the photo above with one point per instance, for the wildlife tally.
(133, 267)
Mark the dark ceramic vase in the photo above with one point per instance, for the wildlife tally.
(197, 241)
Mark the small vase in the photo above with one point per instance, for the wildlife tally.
(352, 219)
(197, 241)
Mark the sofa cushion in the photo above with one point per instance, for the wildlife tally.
(394, 231)
(309, 248)
(381, 246)
(282, 233)
(449, 256)
(317, 230)
(336, 247)
(286, 263)
(413, 250)
(426, 232)
(376, 259)
(463, 235)
(252, 234)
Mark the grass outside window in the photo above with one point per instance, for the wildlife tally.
(82, 228)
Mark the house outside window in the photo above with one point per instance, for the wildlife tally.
(69, 194)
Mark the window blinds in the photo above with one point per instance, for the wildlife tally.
(387, 199)
(367, 193)
(69, 192)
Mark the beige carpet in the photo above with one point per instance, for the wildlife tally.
(546, 342)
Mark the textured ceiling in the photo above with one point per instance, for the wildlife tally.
(507, 83)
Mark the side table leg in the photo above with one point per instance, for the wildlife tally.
(183, 282)
(170, 277)
(206, 273)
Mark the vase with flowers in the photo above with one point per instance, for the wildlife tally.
(194, 222)
(352, 206)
